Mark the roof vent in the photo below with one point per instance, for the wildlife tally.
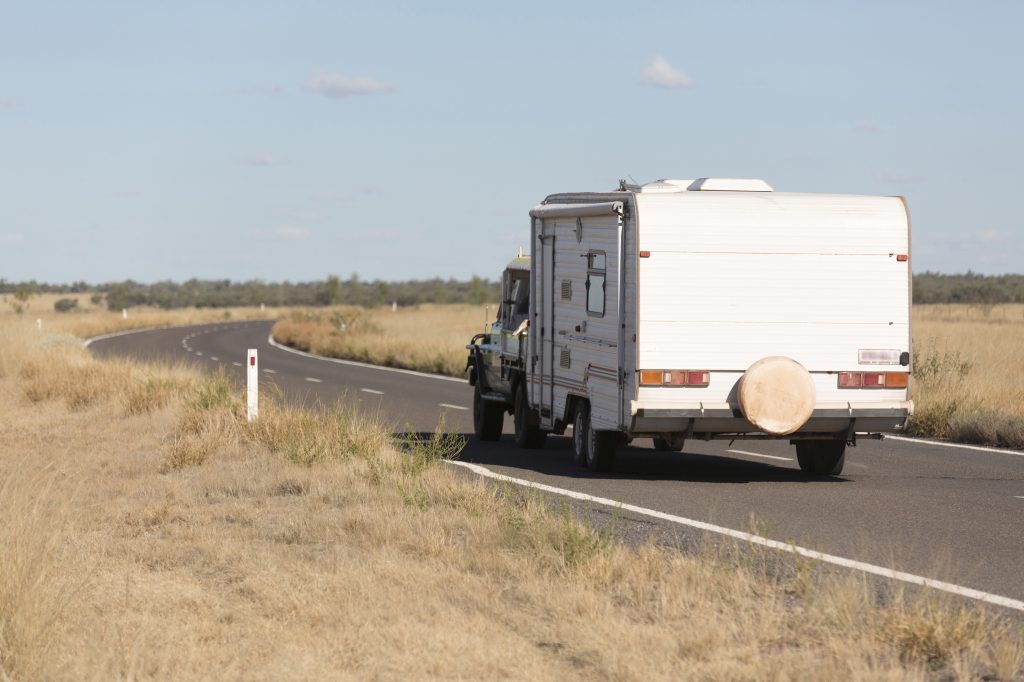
(661, 186)
(729, 185)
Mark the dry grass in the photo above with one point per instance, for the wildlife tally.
(969, 373)
(92, 320)
(149, 531)
(429, 338)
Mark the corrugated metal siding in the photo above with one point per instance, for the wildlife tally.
(736, 277)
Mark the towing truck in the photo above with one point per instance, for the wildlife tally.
(705, 309)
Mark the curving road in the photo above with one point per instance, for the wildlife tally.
(948, 513)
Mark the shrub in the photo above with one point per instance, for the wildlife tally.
(64, 305)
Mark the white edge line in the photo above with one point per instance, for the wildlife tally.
(453, 407)
(370, 390)
(315, 380)
(959, 590)
(353, 363)
(980, 448)
(758, 454)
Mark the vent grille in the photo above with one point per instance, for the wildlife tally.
(566, 289)
(563, 360)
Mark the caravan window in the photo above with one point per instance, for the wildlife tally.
(595, 283)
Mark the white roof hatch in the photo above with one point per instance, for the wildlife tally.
(729, 185)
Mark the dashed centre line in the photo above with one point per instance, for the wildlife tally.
(270, 371)
(370, 390)
(315, 380)
(237, 364)
(199, 353)
(453, 407)
(215, 358)
(757, 454)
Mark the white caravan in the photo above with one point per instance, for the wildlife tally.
(712, 309)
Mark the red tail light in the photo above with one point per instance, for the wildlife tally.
(694, 378)
(873, 379)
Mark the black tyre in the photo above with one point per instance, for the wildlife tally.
(601, 447)
(666, 445)
(527, 433)
(488, 417)
(580, 433)
(821, 457)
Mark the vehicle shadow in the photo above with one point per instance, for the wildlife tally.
(632, 463)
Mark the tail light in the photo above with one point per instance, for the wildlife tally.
(873, 379)
(675, 377)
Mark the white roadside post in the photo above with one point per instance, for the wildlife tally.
(252, 386)
(124, 313)
(39, 323)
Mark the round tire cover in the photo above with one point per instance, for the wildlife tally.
(777, 395)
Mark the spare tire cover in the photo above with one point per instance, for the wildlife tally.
(777, 395)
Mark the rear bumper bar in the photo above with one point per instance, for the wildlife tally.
(882, 418)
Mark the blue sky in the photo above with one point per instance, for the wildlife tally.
(408, 140)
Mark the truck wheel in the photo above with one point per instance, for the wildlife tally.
(488, 417)
(528, 435)
(821, 457)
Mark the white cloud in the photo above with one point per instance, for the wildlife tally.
(10, 237)
(6, 103)
(339, 86)
(866, 127)
(291, 232)
(259, 160)
(658, 73)
(990, 236)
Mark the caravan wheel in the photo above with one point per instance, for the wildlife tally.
(527, 434)
(580, 430)
(821, 457)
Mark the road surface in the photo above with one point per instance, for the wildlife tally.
(948, 513)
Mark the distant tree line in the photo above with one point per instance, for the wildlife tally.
(206, 293)
(929, 287)
(933, 287)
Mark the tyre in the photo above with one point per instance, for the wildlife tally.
(527, 433)
(821, 457)
(601, 446)
(488, 417)
(668, 444)
(580, 431)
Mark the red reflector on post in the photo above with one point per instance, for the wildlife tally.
(902, 258)
(252, 360)
(645, 254)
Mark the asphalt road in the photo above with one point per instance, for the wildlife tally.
(946, 513)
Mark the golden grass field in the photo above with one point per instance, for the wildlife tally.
(968, 382)
(968, 360)
(150, 532)
(429, 338)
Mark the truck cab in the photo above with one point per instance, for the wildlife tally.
(497, 362)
